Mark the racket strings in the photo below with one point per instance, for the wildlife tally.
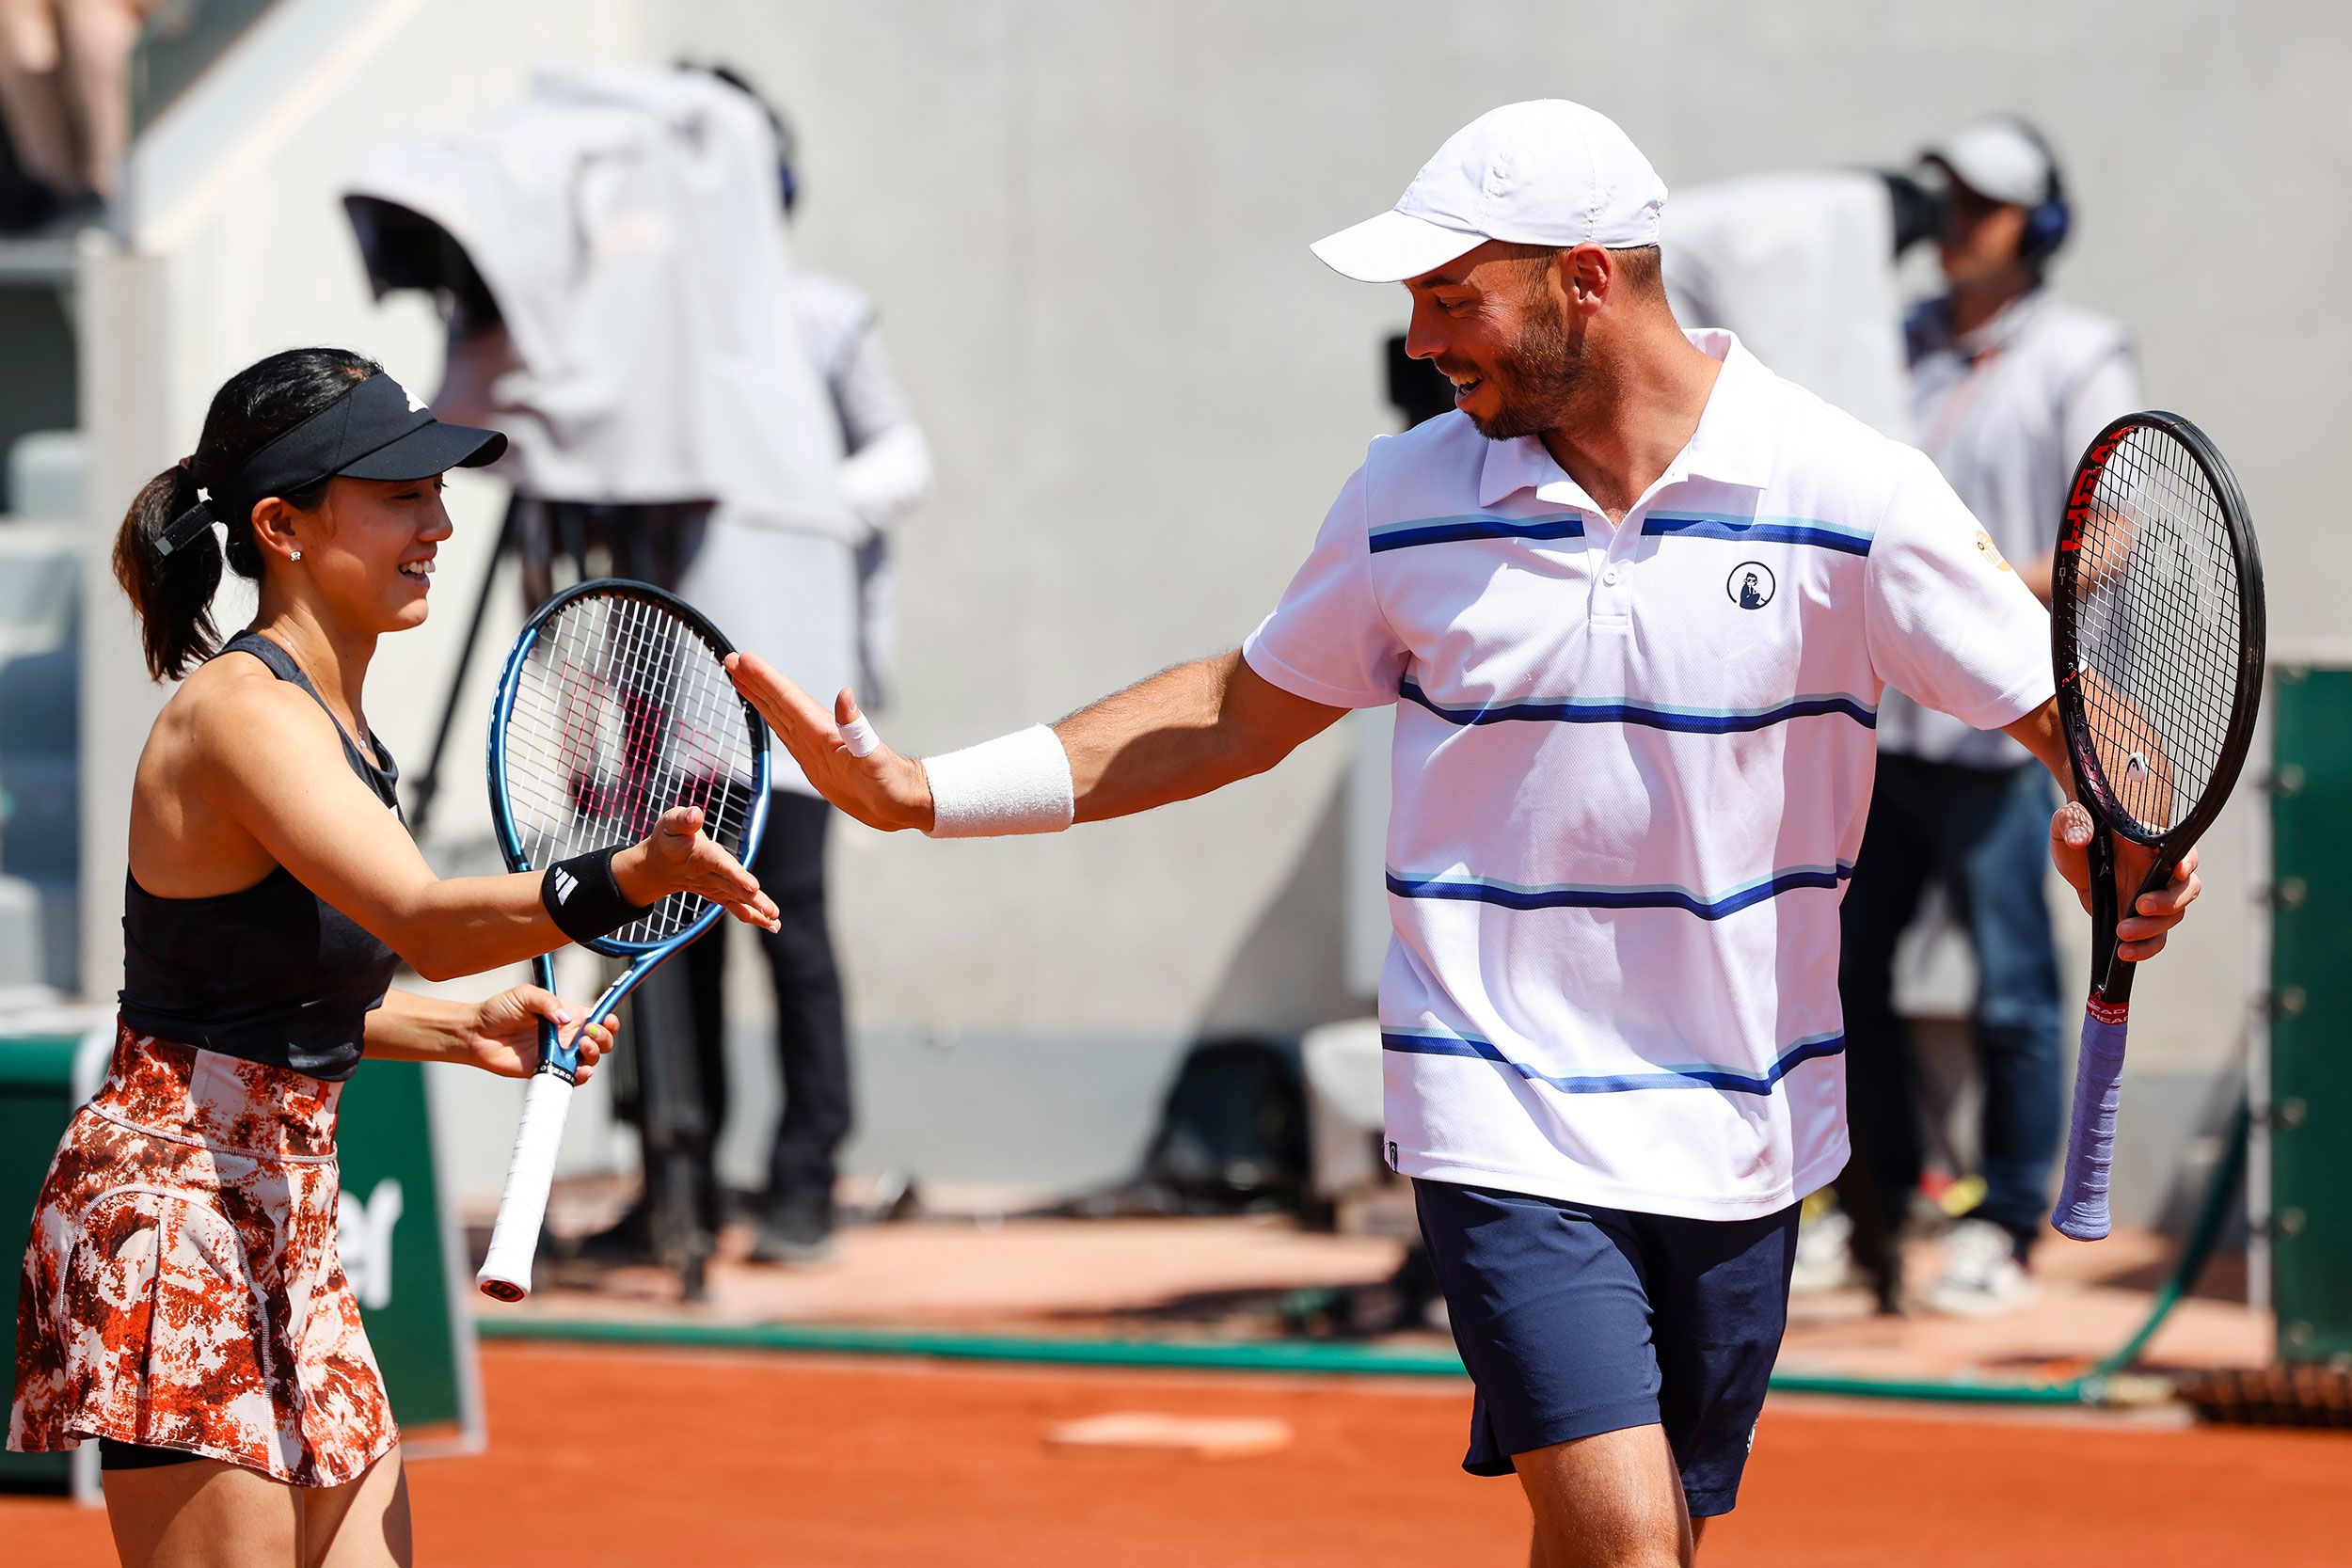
(2157, 627)
(621, 712)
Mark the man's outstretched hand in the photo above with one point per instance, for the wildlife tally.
(881, 789)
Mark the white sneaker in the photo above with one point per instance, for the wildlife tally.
(1824, 1253)
(1981, 1275)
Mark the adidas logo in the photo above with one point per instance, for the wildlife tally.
(566, 884)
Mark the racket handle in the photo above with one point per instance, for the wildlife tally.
(505, 1272)
(2082, 1206)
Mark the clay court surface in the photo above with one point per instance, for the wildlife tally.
(631, 1457)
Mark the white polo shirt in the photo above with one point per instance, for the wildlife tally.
(1630, 771)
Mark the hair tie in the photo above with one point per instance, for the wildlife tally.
(197, 519)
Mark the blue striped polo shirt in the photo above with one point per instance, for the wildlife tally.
(1631, 767)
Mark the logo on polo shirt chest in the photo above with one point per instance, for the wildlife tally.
(1750, 585)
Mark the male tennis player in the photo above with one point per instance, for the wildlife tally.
(1635, 602)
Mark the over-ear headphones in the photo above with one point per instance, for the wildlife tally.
(2047, 220)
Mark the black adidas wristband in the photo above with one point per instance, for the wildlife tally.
(585, 900)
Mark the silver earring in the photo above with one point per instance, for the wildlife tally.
(297, 555)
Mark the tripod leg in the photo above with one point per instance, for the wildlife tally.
(675, 1130)
(571, 532)
(534, 546)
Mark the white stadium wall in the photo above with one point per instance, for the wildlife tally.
(1086, 225)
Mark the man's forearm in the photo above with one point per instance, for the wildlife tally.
(2039, 733)
(2036, 575)
(1181, 732)
(1162, 739)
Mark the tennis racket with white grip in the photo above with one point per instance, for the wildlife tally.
(613, 708)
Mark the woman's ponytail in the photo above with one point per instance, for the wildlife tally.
(171, 579)
(171, 592)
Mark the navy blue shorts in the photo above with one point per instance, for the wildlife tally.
(1576, 1320)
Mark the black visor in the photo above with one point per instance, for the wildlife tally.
(374, 431)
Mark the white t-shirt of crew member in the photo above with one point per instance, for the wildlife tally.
(1630, 771)
(2005, 413)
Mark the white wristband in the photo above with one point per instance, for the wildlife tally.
(859, 737)
(1016, 784)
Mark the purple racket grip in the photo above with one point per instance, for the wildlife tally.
(2082, 1205)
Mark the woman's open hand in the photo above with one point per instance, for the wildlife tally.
(678, 857)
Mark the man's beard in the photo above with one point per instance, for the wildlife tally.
(1533, 384)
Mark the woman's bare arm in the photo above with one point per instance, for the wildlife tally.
(499, 1036)
(269, 760)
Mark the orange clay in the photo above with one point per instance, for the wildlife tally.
(629, 1457)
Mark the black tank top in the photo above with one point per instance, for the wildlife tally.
(271, 973)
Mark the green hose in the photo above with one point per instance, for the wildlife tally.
(1251, 1355)
(2212, 1215)
(1326, 1357)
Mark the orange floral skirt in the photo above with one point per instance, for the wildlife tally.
(182, 1287)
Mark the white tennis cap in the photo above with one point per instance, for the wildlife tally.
(1548, 172)
(1998, 158)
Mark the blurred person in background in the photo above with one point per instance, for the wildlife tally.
(65, 96)
(842, 623)
(887, 464)
(2009, 384)
(621, 304)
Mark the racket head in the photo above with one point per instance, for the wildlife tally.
(2156, 629)
(613, 706)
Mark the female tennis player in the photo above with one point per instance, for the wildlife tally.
(182, 1299)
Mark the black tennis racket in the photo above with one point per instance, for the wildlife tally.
(2156, 634)
(613, 708)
